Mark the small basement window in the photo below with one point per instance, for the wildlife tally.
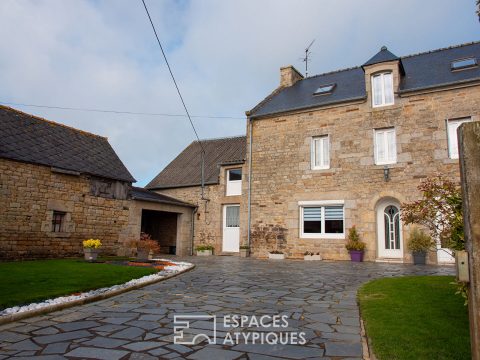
(461, 64)
(58, 220)
(325, 89)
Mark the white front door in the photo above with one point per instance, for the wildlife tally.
(231, 228)
(389, 231)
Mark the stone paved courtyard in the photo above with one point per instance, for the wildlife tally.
(319, 299)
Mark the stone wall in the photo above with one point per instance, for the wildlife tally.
(29, 194)
(282, 175)
(209, 216)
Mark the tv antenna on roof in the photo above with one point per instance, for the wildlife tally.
(307, 54)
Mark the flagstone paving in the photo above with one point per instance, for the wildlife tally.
(318, 298)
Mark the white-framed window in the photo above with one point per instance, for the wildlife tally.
(322, 219)
(452, 126)
(385, 146)
(382, 89)
(234, 182)
(320, 152)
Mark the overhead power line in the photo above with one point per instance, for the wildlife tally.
(202, 153)
(173, 77)
(115, 111)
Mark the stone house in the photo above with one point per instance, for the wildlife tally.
(350, 146)
(60, 186)
(343, 148)
(219, 202)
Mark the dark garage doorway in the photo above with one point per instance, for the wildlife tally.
(162, 226)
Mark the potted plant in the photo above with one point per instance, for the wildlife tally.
(204, 250)
(308, 255)
(355, 246)
(145, 247)
(419, 243)
(91, 249)
(244, 250)
(276, 255)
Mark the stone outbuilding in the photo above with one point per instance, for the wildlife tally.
(60, 186)
(220, 216)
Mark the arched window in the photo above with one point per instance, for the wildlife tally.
(392, 227)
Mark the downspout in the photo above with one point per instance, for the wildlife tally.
(193, 229)
(249, 206)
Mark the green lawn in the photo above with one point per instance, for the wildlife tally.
(24, 282)
(415, 317)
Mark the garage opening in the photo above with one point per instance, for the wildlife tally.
(162, 227)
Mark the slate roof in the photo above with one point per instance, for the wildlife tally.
(421, 71)
(185, 169)
(147, 195)
(31, 139)
(382, 56)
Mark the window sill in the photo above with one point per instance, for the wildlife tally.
(320, 168)
(323, 236)
(59, 234)
(386, 163)
(384, 106)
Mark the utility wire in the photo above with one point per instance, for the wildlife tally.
(173, 77)
(116, 111)
(202, 153)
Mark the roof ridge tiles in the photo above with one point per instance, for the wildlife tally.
(441, 49)
(332, 72)
(401, 57)
(83, 132)
(220, 138)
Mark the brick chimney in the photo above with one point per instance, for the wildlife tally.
(289, 76)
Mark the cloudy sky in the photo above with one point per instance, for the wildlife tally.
(225, 54)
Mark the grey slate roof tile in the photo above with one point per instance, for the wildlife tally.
(147, 195)
(30, 139)
(185, 169)
(382, 56)
(421, 71)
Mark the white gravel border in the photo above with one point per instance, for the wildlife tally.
(20, 312)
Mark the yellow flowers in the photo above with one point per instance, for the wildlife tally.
(92, 243)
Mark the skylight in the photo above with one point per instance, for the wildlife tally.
(464, 63)
(325, 89)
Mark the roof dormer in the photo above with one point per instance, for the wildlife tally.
(382, 78)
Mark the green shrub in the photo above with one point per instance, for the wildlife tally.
(354, 242)
(204, 247)
(419, 241)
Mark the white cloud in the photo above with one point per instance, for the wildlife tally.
(225, 55)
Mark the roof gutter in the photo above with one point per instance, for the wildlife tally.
(309, 108)
(192, 240)
(441, 87)
(249, 205)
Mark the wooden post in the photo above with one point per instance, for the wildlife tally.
(469, 149)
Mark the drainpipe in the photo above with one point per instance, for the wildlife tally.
(193, 229)
(250, 123)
